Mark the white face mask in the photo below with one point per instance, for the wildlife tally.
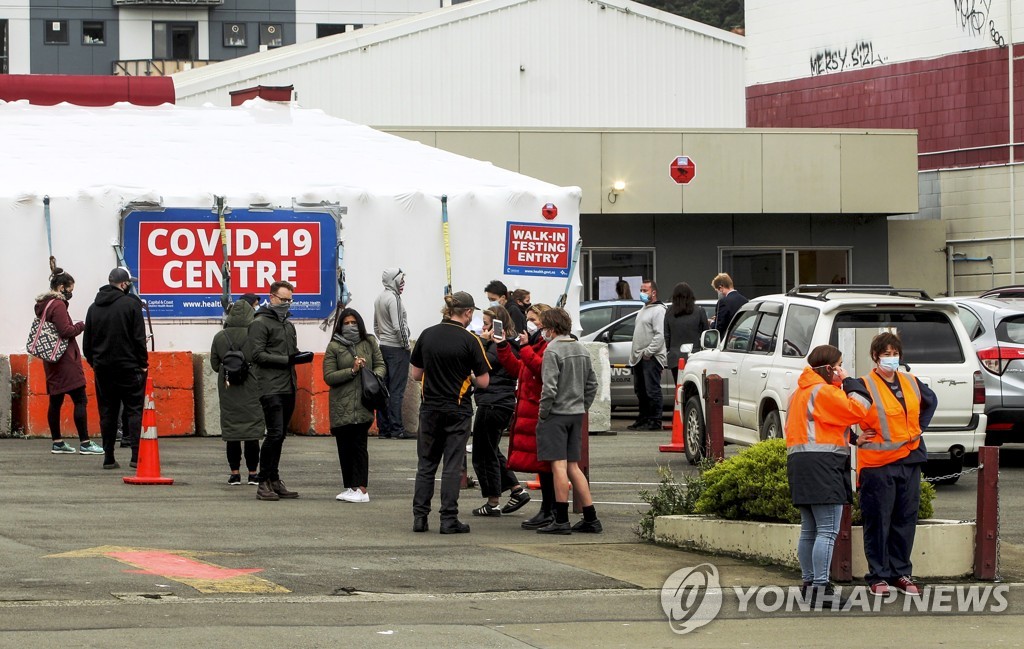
(546, 335)
(531, 326)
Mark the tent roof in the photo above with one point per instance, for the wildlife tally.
(260, 148)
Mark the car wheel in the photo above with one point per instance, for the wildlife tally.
(771, 427)
(696, 437)
(936, 468)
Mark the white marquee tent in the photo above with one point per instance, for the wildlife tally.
(96, 163)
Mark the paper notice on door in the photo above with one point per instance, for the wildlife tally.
(606, 288)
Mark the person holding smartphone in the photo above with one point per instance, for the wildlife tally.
(495, 405)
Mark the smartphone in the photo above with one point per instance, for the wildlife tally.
(498, 328)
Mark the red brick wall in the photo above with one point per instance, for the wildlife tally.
(955, 102)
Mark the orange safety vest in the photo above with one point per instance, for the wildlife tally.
(820, 416)
(899, 429)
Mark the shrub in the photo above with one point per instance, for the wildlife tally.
(672, 498)
(753, 486)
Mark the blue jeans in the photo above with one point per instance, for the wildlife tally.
(819, 527)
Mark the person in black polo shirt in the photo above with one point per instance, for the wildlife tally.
(450, 361)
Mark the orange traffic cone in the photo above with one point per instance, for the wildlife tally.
(676, 445)
(148, 471)
(534, 484)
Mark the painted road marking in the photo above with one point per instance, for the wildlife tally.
(180, 566)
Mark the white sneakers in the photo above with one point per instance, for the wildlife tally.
(353, 496)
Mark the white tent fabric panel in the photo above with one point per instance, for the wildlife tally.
(93, 162)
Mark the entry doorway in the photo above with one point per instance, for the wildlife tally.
(175, 41)
(763, 271)
(602, 268)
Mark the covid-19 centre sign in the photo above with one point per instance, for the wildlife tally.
(177, 255)
(538, 249)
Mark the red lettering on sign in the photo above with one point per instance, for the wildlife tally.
(186, 257)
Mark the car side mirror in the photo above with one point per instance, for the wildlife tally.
(605, 337)
(709, 339)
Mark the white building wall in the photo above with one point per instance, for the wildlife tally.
(793, 40)
(135, 29)
(19, 34)
(523, 63)
(309, 13)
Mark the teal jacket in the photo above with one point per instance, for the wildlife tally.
(241, 417)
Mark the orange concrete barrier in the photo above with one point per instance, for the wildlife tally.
(172, 379)
(312, 406)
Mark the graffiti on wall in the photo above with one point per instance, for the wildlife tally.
(860, 55)
(973, 18)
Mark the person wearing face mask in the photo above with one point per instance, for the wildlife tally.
(823, 407)
(350, 350)
(498, 295)
(274, 351)
(522, 438)
(522, 299)
(114, 345)
(450, 361)
(890, 453)
(648, 357)
(65, 377)
(391, 325)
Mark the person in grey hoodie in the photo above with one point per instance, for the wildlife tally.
(391, 326)
(569, 386)
(648, 357)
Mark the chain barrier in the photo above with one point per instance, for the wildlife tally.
(950, 476)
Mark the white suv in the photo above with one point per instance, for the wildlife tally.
(767, 343)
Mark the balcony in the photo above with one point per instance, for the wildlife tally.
(166, 3)
(154, 68)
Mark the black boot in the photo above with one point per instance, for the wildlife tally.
(540, 519)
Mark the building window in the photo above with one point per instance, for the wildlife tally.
(329, 30)
(271, 35)
(234, 34)
(93, 32)
(3, 47)
(55, 32)
(604, 267)
(175, 41)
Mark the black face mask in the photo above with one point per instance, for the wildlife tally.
(67, 294)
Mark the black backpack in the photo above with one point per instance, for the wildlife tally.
(236, 369)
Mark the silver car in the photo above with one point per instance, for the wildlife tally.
(996, 327)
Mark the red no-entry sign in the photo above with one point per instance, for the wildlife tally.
(683, 169)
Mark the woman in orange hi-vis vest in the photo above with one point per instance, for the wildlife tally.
(826, 403)
(890, 452)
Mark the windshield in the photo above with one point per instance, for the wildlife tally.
(927, 336)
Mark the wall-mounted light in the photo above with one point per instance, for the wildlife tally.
(618, 187)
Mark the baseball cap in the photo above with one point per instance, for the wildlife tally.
(121, 274)
(462, 300)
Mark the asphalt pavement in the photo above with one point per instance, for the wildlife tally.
(89, 561)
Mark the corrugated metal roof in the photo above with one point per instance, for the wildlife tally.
(520, 63)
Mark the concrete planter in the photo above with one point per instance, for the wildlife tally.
(941, 548)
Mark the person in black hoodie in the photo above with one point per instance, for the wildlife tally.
(495, 405)
(114, 345)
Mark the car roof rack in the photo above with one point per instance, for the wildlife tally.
(823, 291)
(1011, 290)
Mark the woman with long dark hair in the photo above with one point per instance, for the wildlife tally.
(684, 323)
(350, 350)
(65, 377)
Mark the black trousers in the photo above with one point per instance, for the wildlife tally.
(277, 412)
(647, 386)
(889, 500)
(252, 455)
(114, 389)
(488, 461)
(396, 362)
(80, 401)
(442, 437)
(352, 455)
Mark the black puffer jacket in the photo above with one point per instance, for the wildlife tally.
(271, 343)
(501, 392)
(115, 332)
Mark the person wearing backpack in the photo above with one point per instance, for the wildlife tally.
(350, 350)
(241, 418)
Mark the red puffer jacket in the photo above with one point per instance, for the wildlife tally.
(66, 374)
(522, 440)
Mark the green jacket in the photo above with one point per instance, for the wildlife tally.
(241, 417)
(271, 342)
(346, 406)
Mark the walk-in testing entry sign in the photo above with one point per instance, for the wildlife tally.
(538, 249)
(177, 256)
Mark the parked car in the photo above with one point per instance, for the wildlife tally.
(1014, 291)
(766, 346)
(600, 313)
(619, 337)
(996, 327)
